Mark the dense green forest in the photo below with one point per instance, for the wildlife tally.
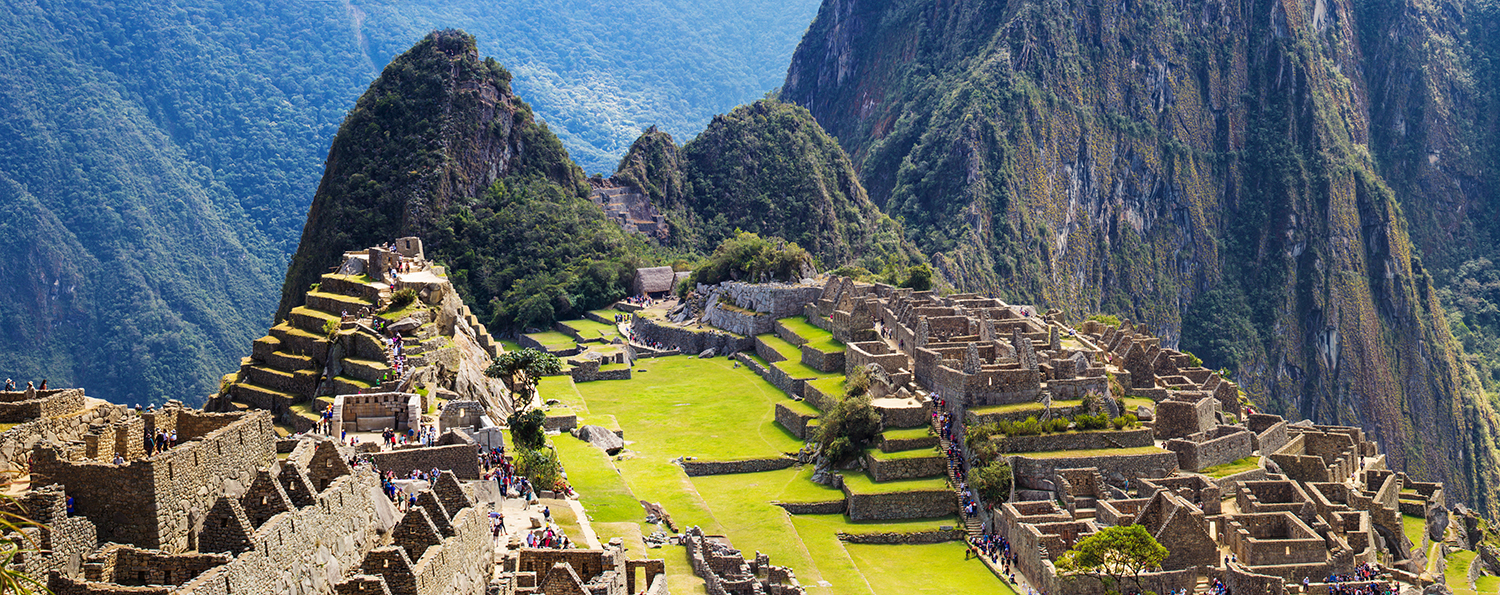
(157, 158)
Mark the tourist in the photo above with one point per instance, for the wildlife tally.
(119, 460)
(44, 384)
(10, 385)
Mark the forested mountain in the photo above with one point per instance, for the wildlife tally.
(1259, 178)
(766, 168)
(157, 158)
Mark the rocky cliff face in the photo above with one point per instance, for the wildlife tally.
(766, 168)
(1218, 169)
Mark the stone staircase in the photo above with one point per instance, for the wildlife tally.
(973, 526)
(285, 366)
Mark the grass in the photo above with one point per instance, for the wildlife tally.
(412, 308)
(796, 369)
(801, 407)
(1487, 584)
(1457, 573)
(608, 313)
(860, 483)
(817, 338)
(943, 569)
(1059, 454)
(1413, 526)
(589, 329)
(509, 345)
(901, 455)
(787, 350)
(833, 386)
(1018, 407)
(553, 340)
(1232, 467)
(604, 493)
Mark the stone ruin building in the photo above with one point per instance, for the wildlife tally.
(529, 571)
(725, 571)
(629, 207)
(328, 350)
(1298, 500)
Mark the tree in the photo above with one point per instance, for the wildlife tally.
(993, 482)
(848, 428)
(520, 371)
(918, 277)
(1114, 554)
(528, 429)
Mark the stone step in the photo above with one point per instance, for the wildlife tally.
(369, 371)
(299, 342)
(336, 304)
(310, 320)
(259, 397)
(299, 383)
(289, 362)
(261, 348)
(343, 385)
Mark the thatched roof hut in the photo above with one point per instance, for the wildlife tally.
(653, 281)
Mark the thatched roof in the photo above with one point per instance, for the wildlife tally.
(654, 279)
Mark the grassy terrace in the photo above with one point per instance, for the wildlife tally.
(1019, 407)
(708, 409)
(819, 339)
(1061, 454)
(553, 340)
(801, 407)
(787, 350)
(1457, 573)
(1413, 527)
(589, 329)
(906, 433)
(1233, 467)
(412, 308)
(833, 386)
(860, 483)
(901, 455)
(509, 345)
(796, 369)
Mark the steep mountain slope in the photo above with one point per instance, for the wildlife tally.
(1205, 167)
(439, 147)
(766, 168)
(160, 156)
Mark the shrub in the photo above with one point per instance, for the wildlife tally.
(985, 450)
(1091, 422)
(855, 421)
(858, 382)
(1106, 319)
(1193, 361)
(540, 466)
(527, 429)
(401, 299)
(993, 482)
(1059, 424)
(980, 432)
(1030, 427)
(330, 328)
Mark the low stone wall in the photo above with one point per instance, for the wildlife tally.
(700, 468)
(821, 361)
(906, 417)
(1133, 466)
(15, 407)
(990, 418)
(560, 422)
(1272, 439)
(16, 443)
(691, 341)
(738, 321)
(1196, 456)
(766, 352)
(588, 371)
(890, 445)
(815, 397)
(461, 459)
(1228, 482)
(922, 504)
(830, 507)
(894, 469)
(788, 335)
(912, 538)
(774, 375)
(1090, 440)
(793, 421)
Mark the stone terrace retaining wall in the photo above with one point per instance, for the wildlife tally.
(699, 468)
(1090, 440)
(906, 417)
(794, 422)
(817, 398)
(830, 507)
(774, 375)
(900, 505)
(461, 459)
(736, 320)
(890, 445)
(689, 340)
(893, 469)
(1227, 483)
(912, 538)
(588, 371)
(822, 362)
(766, 352)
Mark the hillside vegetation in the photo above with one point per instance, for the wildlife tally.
(1254, 179)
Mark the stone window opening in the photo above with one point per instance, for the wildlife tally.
(223, 522)
(166, 577)
(140, 576)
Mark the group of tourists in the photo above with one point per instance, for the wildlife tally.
(10, 385)
(1362, 581)
(159, 441)
(944, 422)
(640, 300)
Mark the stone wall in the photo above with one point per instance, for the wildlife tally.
(904, 468)
(23, 406)
(822, 361)
(779, 300)
(911, 538)
(1090, 440)
(461, 459)
(697, 468)
(793, 421)
(900, 505)
(830, 507)
(1128, 467)
(893, 445)
(588, 371)
(17, 442)
(689, 340)
(737, 320)
(1223, 445)
(874, 352)
(158, 502)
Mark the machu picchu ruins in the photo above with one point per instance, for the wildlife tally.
(367, 447)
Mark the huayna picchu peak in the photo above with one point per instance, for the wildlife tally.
(985, 297)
